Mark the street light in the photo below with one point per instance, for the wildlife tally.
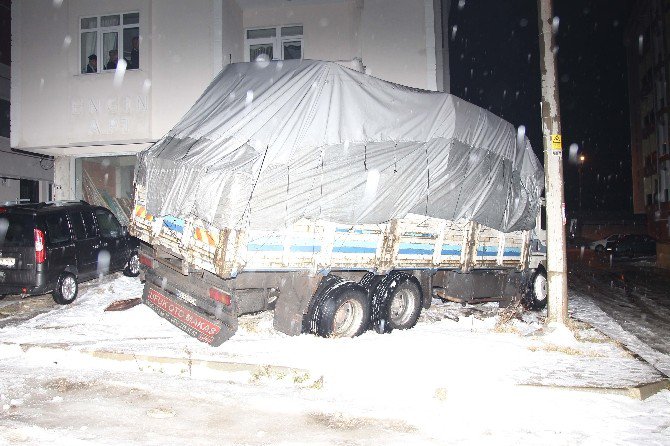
(582, 158)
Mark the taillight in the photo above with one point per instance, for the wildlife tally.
(40, 249)
(146, 260)
(219, 296)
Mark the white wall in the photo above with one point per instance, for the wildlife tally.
(329, 31)
(183, 46)
(233, 33)
(182, 65)
(398, 40)
(54, 105)
(393, 41)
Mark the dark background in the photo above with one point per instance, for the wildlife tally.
(494, 63)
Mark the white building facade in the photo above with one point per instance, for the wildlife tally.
(94, 82)
(23, 176)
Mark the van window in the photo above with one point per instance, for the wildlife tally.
(109, 226)
(16, 230)
(89, 224)
(58, 230)
(78, 225)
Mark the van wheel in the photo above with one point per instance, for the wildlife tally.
(344, 313)
(536, 295)
(66, 289)
(132, 268)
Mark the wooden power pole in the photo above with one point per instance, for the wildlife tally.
(557, 279)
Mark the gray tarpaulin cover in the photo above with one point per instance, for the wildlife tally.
(269, 143)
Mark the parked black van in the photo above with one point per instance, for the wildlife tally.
(51, 247)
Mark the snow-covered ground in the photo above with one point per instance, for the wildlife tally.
(463, 375)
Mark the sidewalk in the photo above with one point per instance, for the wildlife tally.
(439, 352)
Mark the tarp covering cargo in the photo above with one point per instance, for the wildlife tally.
(269, 143)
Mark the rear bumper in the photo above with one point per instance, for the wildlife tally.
(32, 284)
(178, 305)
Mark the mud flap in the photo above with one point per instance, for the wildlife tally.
(296, 293)
(188, 318)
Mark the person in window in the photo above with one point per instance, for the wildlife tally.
(134, 54)
(113, 60)
(92, 66)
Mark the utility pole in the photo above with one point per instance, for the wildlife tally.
(557, 280)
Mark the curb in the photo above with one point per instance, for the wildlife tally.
(187, 367)
(640, 392)
(240, 372)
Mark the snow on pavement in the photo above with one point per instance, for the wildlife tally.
(584, 309)
(443, 380)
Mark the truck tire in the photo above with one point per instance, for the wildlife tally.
(66, 289)
(536, 295)
(396, 302)
(404, 306)
(344, 313)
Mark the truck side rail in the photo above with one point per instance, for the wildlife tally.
(414, 242)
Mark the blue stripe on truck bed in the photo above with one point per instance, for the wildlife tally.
(487, 251)
(264, 247)
(176, 224)
(451, 250)
(416, 249)
(306, 248)
(354, 250)
(354, 247)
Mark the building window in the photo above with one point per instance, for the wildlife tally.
(107, 39)
(277, 43)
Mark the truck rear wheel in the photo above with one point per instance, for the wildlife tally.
(344, 313)
(404, 306)
(396, 302)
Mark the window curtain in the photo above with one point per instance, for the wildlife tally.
(89, 42)
(257, 50)
(110, 41)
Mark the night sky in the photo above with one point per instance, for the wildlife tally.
(494, 63)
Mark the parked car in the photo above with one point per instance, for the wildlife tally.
(52, 247)
(607, 242)
(635, 245)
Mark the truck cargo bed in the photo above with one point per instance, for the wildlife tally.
(414, 242)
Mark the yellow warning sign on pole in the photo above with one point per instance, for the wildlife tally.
(556, 142)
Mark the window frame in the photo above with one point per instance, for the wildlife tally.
(101, 225)
(277, 41)
(100, 31)
(65, 226)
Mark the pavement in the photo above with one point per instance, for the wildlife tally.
(451, 344)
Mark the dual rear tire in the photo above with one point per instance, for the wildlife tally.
(342, 309)
(344, 313)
